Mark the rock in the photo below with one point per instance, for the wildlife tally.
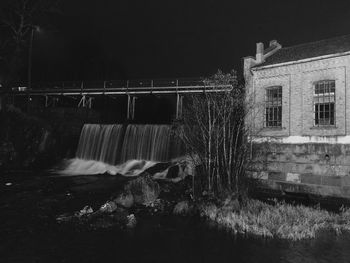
(143, 189)
(161, 175)
(108, 207)
(125, 199)
(131, 221)
(85, 211)
(182, 208)
(179, 171)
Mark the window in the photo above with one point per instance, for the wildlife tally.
(273, 107)
(324, 103)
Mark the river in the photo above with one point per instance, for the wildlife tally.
(29, 232)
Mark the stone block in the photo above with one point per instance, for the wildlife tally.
(331, 180)
(345, 181)
(310, 179)
(277, 176)
(293, 177)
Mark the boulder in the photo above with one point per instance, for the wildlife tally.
(131, 221)
(125, 199)
(85, 211)
(144, 189)
(108, 207)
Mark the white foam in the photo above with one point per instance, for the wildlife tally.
(88, 167)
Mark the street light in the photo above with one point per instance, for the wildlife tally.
(33, 29)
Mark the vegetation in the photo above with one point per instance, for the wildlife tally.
(281, 220)
(18, 19)
(213, 132)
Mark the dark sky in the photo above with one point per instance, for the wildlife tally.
(111, 39)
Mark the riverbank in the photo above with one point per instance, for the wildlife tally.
(278, 220)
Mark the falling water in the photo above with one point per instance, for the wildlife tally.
(146, 142)
(100, 143)
(127, 150)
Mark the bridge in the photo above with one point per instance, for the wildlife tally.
(86, 91)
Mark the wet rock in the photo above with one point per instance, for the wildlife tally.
(131, 221)
(85, 211)
(108, 207)
(125, 199)
(180, 171)
(161, 175)
(144, 189)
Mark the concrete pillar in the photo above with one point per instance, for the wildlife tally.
(130, 114)
(179, 103)
(85, 102)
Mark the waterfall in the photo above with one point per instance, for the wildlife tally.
(124, 149)
(146, 142)
(100, 143)
(110, 144)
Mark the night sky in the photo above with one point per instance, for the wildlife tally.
(110, 39)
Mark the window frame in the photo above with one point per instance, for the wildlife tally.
(328, 99)
(274, 121)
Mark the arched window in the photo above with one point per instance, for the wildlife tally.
(273, 107)
(324, 103)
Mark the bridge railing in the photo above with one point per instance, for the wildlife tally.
(119, 84)
(139, 85)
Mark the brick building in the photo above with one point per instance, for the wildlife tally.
(301, 98)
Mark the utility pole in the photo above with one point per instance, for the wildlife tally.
(29, 78)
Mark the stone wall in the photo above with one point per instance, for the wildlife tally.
(321, 169)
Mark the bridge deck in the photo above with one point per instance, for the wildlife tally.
(121, 88)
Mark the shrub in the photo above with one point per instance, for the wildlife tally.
(281, 220)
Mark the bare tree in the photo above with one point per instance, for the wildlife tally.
(18, 18)
(214, 133)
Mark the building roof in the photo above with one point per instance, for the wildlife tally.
(309, 50)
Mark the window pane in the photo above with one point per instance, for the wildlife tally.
(324, 103)
(273, 108)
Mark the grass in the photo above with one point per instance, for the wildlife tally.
(281, 220)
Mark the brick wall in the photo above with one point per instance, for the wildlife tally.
(297, 81)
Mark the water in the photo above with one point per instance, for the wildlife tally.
(112, 145)
(29, 232)
(146, 142)
(100, 142)
(124, 149)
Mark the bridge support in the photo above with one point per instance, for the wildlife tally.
(50, 101)
(131, 107)
(179, 103)
(85, 102)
